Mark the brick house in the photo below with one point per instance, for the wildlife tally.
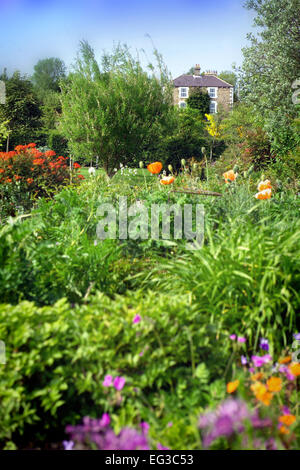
(220, 92)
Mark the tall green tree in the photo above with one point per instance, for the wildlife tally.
(271, 64)
(48, 74)
(21, 110)
(199, 100)
(115, 110)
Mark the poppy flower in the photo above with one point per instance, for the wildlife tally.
(264, 185)
(167, 180)
(265, 194)
(76, 165)
(155, 168)
(229, 176)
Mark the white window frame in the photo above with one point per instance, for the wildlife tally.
(215, 90)
(184, 88)
(216, 107)
(180, 103)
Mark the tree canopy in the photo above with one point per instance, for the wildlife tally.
(115, 110)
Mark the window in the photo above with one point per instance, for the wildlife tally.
(212, 107)
(182, 104)
(183, 92)
(212, 92)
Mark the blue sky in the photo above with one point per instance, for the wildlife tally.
(185, 32)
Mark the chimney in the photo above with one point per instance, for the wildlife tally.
(211, 72)
(197, 70)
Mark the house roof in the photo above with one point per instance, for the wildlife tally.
(200, 80)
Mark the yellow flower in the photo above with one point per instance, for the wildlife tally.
(232, 386)
(261, 393)
(284, 430)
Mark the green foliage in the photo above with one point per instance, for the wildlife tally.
(21, 110)
(64, 231)
(120, 102)
(48, 74)
(57, 142)
(200, 101)
(57, 358)
(187, 139)
(271, 64)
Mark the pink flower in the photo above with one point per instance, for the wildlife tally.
(108, 380)
(145, 427)
(241, 339)
(105, 420)
(119, 383)
(137, 319)
(233, 337)
(258, 361)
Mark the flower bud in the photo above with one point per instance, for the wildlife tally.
(141, 164)
(183, 162)
(170, 168)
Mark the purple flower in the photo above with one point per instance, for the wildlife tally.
(161, 447)
(241, 339)
(108, 380)
(297, 336)
(119, 383)
(232, 337)
(137, 319)
(286, 410)
(258, 361)
(105, 420)
(145, 427)
(68, 445)
(128, 439)
(244, 360)
(264, 344)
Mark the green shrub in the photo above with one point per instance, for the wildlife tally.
(57, 358)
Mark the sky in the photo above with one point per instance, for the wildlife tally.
(185, 32)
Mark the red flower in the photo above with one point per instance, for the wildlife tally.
(50, 153)
(76, 165)
(80, 176)
(38, 161)
(29, 180)
(17, 177)
(31, 145)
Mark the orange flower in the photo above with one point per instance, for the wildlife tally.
(76, 165)
(295, 369)
(265, 194)
(167, 180)
(274, 384)
(1, 170)
(264, 185)
(257, 376)
(155, 167)
(17, 177)
(284, 430)
(229, 176)
(8, 180)
(288, 420)
(38, 161)
(31, 145)
(285, 360)
(29, 180)
(261, 393)
(232, 386)
(50, 153)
